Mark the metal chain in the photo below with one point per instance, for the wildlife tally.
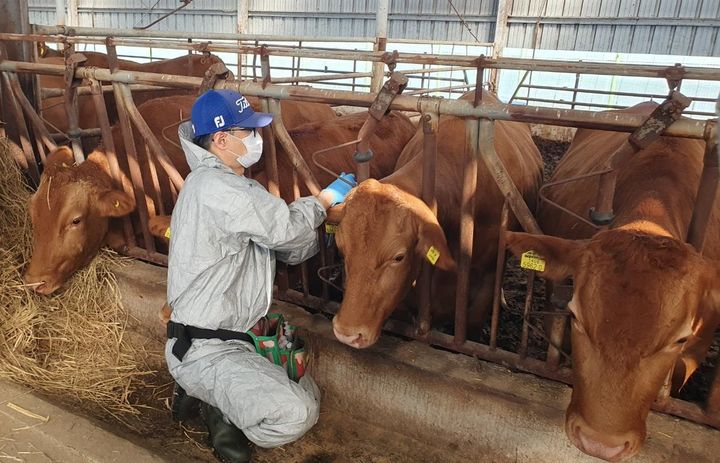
(462, 20)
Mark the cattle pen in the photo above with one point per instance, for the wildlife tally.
(385, 92)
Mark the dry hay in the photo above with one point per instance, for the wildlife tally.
(70, 344)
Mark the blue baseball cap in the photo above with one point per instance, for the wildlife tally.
(217, 110)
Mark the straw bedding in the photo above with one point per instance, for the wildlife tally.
(71, 344)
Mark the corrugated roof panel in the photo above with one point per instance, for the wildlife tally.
(603, 38)
(669, 8)
(705, 40)
(641, 39)
(648, 8)
(689, 8)
(622, 37)
(629, 8)
(549, 38)
(661, 39)
(585, 37)
(609, 8)
(709, 9)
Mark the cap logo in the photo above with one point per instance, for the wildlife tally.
(219, 121)
(242, 103)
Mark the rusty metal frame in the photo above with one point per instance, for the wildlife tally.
(480, 149)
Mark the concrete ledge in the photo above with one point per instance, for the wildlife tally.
(476, 410)
(64, 437)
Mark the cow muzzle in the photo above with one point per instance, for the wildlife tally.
(359, 338)
(41, 285)
(609, 447)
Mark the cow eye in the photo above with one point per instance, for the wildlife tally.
(682, 340)
(76, 221)
(399, 258)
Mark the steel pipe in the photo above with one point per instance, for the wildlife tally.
(686, 128)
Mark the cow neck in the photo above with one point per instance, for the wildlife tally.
(652, 214)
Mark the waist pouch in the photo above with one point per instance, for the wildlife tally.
(277, 340)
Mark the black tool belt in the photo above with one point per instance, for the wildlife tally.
(186, 333)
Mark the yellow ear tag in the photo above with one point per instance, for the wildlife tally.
(432, 255)
(117, 204)
(532, 261)
(331, 228)
(167, 233)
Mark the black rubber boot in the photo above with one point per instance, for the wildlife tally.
(228, 442)
(184, 407)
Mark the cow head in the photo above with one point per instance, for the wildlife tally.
(384, 236)
(636, 300)
(69, 214)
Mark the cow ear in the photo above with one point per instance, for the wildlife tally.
(432, 244)
(558, 256)
(61, 157)
(100, 159)
(114, 203)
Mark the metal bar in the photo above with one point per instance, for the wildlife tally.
(156, 191)
(675, 407)
(111, 155)
(706, 194)
(501, 35)
(575, 91)
(22, 129)
(467, 228)
(85, 90)
(61, 136)
(519, 86)
(430, 127)
(298, 79)
(143, 254)
(71, 108)
(499, 271)
(497, 169)
(150, 138)
(699, 73)
(131, 154)
(38, 125)
(687, 128)
(527, 308)
(271, 166)
(608, 92)
(291, 150)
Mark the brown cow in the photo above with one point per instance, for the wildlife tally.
(642, 297)
(391, 135)
(70, 213)
(386, 231)
(53, 108)
(55, 259)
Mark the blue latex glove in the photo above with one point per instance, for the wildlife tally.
(340, 187)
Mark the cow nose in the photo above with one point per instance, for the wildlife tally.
(609, 447)
(38, 284)
(353, 340)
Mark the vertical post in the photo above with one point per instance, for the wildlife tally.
(22, 130)
(14, 18)
(501, 34)
(575, 90)
(72, 12)
(111, 154)
(381, 28)
(467, 228)
(499, 271)
(705, 199)
(60, 12)
(430, 127)
(243, 25)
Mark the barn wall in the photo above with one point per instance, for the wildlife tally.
(687, 27)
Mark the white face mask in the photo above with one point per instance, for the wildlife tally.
(253, 145)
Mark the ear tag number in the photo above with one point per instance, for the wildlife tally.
(532, 261)
(432, 255)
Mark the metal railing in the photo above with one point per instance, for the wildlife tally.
(480, 128)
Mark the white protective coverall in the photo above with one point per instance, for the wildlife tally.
(227, 231)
